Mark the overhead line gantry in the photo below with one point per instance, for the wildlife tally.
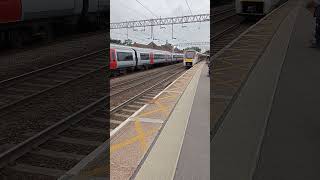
(161, 21)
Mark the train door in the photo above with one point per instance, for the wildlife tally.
(112, 60)
(170, 58)
(136, 58)
(167, 59)
(151, 58)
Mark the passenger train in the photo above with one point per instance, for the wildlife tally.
(255, 7)
(126, 58)
(21, 20)
(192, 57)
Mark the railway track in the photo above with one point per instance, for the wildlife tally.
(223, 7)
(24, 88)
(220, 16)
(122, 111)
(225, 36)
(227, 29)
(60, 39)
(226, 21)
(118, 88)
(50, 153)
(149, 72)
(62, 145)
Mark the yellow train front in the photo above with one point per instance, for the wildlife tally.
(190, 58)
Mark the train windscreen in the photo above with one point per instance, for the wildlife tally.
(189, 54)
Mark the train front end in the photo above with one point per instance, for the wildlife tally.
(189, 58)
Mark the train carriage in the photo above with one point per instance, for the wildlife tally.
(145, 58)
(21, 20)
(169, 59)
(159, 57)
(177, 57)
(122, 58)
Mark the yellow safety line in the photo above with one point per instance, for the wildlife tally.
(167, 110)
(152, 112)
(166, 97)
(129, 141)
(141, 135)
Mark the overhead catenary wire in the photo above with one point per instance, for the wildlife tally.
(188, 6)
(142, 33)
(134, 10)
(147, 9)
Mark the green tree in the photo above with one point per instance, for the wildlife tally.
(193, 48)
(128, 42)
(115, 41)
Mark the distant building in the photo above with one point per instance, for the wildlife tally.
(167, 46)
(152, 45)
(139, 45)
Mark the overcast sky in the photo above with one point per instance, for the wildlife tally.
(128, 10)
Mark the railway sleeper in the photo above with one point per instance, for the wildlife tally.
(90, 130)
(56, 154)
(77, 141)
(25, 168)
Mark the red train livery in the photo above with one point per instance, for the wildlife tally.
(22, 19)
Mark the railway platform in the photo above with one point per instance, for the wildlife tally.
(266, 113)
(159, 140)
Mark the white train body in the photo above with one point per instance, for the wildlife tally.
(177, 57)
(123, 58)
(255, 7)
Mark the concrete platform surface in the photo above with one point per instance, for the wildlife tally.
(194, 159)
(169, 151)
(291, 144)
(271, 129)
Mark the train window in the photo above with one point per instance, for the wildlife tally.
(144, 56)
(175, 57)
(190, 54)
(124, 56)
(159, 56)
